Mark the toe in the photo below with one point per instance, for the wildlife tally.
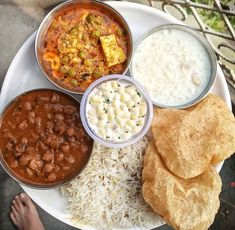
(26, 200)
(13, 219)
(19, 203)
(14, 211)
(14, 203)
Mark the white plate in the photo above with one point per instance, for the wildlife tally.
(24, 74)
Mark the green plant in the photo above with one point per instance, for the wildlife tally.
(212, 18)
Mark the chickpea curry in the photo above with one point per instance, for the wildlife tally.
(42, 139)
(82, 45)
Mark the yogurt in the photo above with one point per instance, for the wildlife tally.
(173, 66)
(116, 111)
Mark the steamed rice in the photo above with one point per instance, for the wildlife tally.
(108, 192)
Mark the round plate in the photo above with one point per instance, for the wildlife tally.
(24, 74)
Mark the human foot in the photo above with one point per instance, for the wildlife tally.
(24, 214)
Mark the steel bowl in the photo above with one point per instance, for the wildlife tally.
(18, 178)
(207, 47)
(39, 41)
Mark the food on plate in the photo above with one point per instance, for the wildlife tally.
(114, 54)
(82, 44)
(191, 139)
(107, 194)
(180, 182)
(186, 204)
(42, 139)
(173, 65)
(116, 110)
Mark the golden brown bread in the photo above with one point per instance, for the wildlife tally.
(185, 204)
(189, 140)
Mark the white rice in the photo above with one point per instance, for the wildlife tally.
(107, 194)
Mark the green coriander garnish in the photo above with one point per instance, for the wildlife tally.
(107, 101)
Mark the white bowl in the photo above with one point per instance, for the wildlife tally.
(148, 118)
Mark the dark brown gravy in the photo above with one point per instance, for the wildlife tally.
(42, 139)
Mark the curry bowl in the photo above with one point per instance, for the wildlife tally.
(42, 141)
(81, 41)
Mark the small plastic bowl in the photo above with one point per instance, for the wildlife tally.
(204, 43)
(148, 118)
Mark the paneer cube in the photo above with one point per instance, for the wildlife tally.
(53, 59)
(114, 54)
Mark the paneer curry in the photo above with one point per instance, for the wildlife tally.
(82, 45)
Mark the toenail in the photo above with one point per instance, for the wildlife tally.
(22, 195)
